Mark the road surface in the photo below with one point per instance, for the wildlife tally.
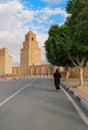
(33, 104)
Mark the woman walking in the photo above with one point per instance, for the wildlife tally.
(57, 77)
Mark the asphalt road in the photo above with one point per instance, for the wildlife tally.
(33, 104)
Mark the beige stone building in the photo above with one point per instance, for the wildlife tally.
(30, 54)
(30, 62)
(5, 62)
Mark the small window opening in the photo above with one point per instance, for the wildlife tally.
(32, 39)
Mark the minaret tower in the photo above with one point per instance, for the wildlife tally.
(30, 54)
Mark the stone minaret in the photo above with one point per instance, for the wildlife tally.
(30, 54)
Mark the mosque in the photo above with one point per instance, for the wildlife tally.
(30, 62)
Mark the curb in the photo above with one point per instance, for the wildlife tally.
(3, 78)
(83, 102)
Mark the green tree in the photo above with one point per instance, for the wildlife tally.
(77, 23)
(67, 45)
(57, 47)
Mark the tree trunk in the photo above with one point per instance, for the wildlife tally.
(67, 73)
(81, 76)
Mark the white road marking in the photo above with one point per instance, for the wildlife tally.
(82, 114)
(13, 95)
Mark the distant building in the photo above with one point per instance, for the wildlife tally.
(30, 62)
(30, 59)
(30, 54)
(5, 62)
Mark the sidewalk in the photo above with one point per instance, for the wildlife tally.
(79, 92)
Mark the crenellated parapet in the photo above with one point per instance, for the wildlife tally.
(3, 51)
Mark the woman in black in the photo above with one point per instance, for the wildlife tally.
(57, 77)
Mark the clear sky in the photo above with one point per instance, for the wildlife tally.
(17, 17)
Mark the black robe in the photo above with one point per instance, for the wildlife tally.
(57, 77)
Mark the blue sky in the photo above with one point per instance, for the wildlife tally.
(17, 17)
(44, 6)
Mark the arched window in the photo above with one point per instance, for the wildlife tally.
(27, 38)
(32, 38)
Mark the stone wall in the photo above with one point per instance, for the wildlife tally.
(74, 72)
(16, 71)
(48, 70)
(37, 70)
